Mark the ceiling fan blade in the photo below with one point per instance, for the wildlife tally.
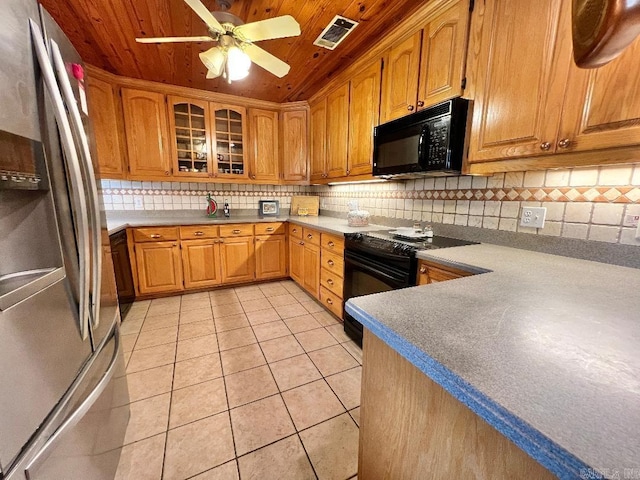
(267, 61)
(174, 39)
(206, 16)
(278, 27)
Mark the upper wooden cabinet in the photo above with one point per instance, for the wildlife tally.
(263, 133)
(428, 67)
(337, 131)
(105, 115)
(228, 138)
(364, 109)
(532, 101)
(521, 75)
(145, 121)
(295, 149)
(318, 139)
(190, 129)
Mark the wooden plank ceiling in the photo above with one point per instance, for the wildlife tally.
(104, 32)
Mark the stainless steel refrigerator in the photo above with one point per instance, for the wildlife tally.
(63, 394)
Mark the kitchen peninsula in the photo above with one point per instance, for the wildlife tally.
(541, 348)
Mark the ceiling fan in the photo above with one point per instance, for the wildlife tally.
(236, 48)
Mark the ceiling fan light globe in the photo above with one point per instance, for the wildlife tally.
(214, 60)
(238, 64)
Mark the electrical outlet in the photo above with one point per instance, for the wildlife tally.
(533, 217)
(137, 201)
(638, 232)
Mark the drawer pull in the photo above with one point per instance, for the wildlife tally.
(423, 269)
(331, 244)
(301, 243)
(236, 231)
(269, 229)
(309, 235)
(198, 234)
(295, 230)
(331, 263)
(329, 301)
(329, 281)
(221, 240)
(155, 235)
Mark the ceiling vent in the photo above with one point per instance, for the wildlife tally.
(335, 32)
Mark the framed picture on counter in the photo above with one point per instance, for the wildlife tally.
(269, 208)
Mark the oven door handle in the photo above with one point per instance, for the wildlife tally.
(377, 272)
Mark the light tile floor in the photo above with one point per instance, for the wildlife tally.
(254, 382)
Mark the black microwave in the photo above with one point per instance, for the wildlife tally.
(428, 142)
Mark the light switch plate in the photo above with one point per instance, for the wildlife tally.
(533, 217)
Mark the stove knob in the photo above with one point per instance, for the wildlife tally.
(358, 237)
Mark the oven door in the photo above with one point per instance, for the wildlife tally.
(368, 275)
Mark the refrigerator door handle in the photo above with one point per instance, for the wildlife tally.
(90, 179)
(75, 175)
(77, 415)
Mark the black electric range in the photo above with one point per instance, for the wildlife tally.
(377, 262)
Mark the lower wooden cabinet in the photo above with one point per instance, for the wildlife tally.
(122, 267)
(159, 267)
(296, 259)
(271, 256)
(311, 275)
(434, 272)
(201, 263)
(237, 259)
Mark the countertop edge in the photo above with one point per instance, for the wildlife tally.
(549, 454)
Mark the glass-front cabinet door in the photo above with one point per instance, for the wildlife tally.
(228, 141)
(189, 124)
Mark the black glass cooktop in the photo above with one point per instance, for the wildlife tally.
(423, 244)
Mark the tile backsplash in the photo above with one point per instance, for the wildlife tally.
(582, 203)
(132, 195)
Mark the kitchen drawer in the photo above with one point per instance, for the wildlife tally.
(431, 272)
(295, 231)
(333, 262)
(331, 301)
(331, 281)
(272, 228)
(155, 234)
(332, 243)
(196, 232)
(311, 236)
(236, 230)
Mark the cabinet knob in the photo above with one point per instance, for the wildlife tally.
(331, 263)
(331, 244)
(198, 234)
(564, 143)
(269, 229)
(423, 269)
(545, 146)
(329, 301)
(295, 230)
(253, 177)
(155, 235)
(167, 172)
(309, 235)
(236, 231)
(420, 103)
(329, 281)
(348, 172)
(301, 243)
(222, 240)
(410, 108)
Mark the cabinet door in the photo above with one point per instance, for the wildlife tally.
(521, 69)
(190, 130)
(296, 260)
(602, 106)
(271, 256)
(295, 150)
(145, 122)
(238, 262)
(400, 79)
(228, 139)
(122, 269)
(263, 132)
(104, 114)
(159, 267)
(318, 140)
(444, 47)
(311, 269)
(201, 263)
(338, 131)
(364, 109)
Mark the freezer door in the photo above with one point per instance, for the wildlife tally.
(41, 354)
(85, 436)
(69, 70)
